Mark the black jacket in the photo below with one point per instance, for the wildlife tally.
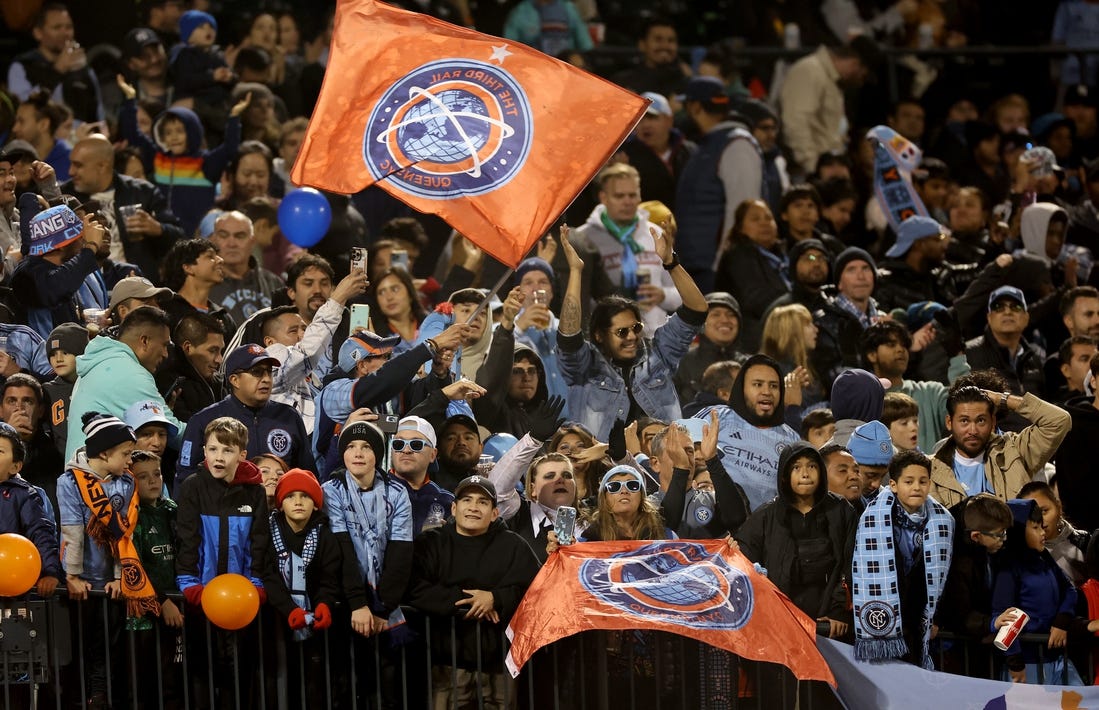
(827, 533)
(322, 575)
(1027, 375)
(966, 607)
(731, 506)
(497, 411)
(1075, 460)
(688, 376)
(445, 563)
(754, 282)
(146, 252)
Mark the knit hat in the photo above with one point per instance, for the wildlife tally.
(528, 265)
(871, 444)
(800, 248)
(53, 228)
(755, 111)
(363, 431)
(723, 299)
(298, 479)
(363, 344)
(853, 254)
(480, 483)
(69, 337)
(102, 432)
(192, 20)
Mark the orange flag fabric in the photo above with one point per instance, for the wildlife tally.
(493, 136)
(701, 589)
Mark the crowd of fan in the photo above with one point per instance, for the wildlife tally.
(731, 341)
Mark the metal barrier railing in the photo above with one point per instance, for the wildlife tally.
(978, 658)
(56, 653)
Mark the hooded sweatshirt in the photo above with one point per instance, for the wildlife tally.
(104, 365)
(751, 444)
(807, 555)
(188, 180)
(498, 411)
(1033, 226)
(857, 397)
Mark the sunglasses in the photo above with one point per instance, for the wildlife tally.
(258, 371)
(633, 486)
(1001, 536)
(621, 333)
(416, 445)
(1007, 305)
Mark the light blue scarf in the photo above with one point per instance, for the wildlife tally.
(630, 249)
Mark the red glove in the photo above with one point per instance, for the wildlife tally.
(262, 595)
(322, 617)
(193, 595)
(297, 619)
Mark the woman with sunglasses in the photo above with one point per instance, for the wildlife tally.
(624, 511)
(616, 372)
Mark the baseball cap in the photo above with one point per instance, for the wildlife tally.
(705, 88)
(1045, 162)
(659, 105)
(1081, 95)
(17, 149)
(911, 231)
(363, 344)
(419, 425)
(479, 483)
(247, 356)
(137, 40)
(136, 287)
(145, 412)
(1007, 292)
(464, 420)
(723, 298)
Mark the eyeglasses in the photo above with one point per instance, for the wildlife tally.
(1014, 306)
(621, 333)
(524, 372)
(416, 445)
(633, 486)
(1001, 536)
(812, 257)
(382, 356)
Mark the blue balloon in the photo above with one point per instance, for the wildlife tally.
(304, 216)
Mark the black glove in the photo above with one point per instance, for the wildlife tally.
(949, 332)
(616, 441)
(546, 418)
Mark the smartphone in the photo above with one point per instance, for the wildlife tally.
(541, 296)
(176, 384)
(358, 258)
(398, 257)
(360, 317)
(644, 277)
(565, 525)
(387, 423)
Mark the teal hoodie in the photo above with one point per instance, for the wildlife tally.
(110, 379)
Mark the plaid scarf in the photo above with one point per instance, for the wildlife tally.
(879, 631)
(286, 566)
(115, 529)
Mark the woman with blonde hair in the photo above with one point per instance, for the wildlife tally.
(624, 512)
(789, 337)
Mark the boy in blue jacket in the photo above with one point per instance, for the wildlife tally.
(174, 157)
(23, 511)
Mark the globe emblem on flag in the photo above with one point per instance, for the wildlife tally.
(676, 582)
(449, 129)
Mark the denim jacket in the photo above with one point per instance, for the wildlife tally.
(597, 389)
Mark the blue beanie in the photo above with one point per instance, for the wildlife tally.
(54, 228)
(531, 264)
(192, 20)
(871, 444)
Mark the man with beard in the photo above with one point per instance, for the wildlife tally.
(660, 70)
(976, 459)
(885, 347)
(459, 450)
(752, 432)
(409, 460)
(1080, 316)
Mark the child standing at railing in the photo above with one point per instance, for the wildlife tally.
(1029, 579)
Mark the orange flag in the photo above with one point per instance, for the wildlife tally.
(493, 136)
(702, 589)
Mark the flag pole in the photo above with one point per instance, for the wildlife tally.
(484, 304)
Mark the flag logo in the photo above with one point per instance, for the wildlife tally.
(678, 582)
(449, 128)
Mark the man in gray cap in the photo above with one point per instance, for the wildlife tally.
(134, 292)
(717, 342)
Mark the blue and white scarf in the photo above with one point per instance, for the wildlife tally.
(875, 590)
(295, 583)
(895, 158)
(375, 525)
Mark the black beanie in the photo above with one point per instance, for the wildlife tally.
(853, 254)
(102, 432)
(364, 431)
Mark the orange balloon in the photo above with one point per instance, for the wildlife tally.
(20, 565)
(230, 601)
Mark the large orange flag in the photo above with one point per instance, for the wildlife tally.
(702, 589)
(493, 136)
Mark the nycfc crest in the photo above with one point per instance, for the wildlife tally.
(451, 128)
(675, 582)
